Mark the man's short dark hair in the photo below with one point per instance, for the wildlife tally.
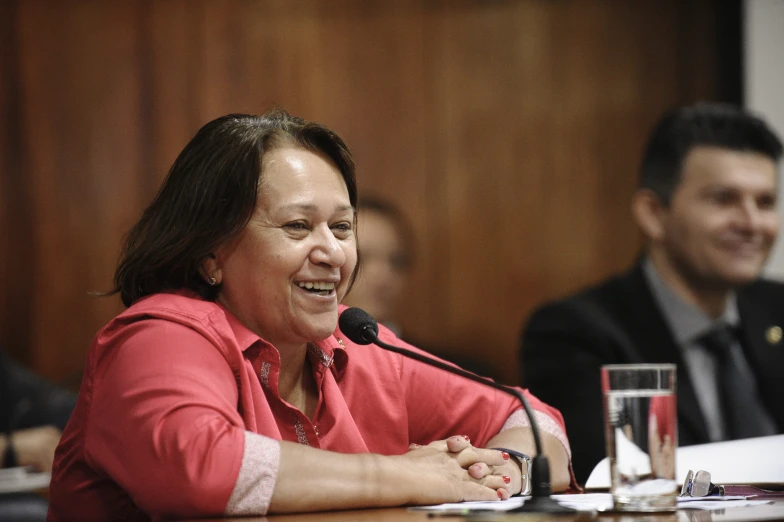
(705, 124)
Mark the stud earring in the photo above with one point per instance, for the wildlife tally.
(212, 281)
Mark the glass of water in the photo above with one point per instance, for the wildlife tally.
(641, 431)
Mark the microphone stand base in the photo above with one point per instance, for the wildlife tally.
(543, 505)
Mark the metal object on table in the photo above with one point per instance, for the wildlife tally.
(699, 485)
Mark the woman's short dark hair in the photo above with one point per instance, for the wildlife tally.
(703, 124)
(209, 196)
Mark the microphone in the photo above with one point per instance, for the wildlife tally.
(362, 329)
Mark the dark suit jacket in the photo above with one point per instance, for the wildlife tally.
(28, 401)
(565, 343)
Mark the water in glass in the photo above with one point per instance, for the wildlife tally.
(641, 436)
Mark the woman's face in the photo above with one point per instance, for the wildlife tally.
(284, 275)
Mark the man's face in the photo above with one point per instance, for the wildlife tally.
(722, 221)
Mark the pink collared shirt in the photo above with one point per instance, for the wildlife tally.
(179, 413)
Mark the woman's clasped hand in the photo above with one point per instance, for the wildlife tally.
(473, 473)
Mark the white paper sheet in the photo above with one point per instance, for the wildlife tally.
(748, 461)
(16, 480)
(584, 502)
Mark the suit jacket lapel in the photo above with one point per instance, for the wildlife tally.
(764, 348)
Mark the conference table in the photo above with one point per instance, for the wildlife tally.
(771, 511)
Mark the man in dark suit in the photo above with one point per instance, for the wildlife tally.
(707, 207)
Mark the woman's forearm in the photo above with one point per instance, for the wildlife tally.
(560, 478)
(313, 480)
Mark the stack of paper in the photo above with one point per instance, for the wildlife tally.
(747, 461)
(16, 480)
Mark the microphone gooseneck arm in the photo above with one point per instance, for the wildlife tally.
(471, 376)
(361, 328)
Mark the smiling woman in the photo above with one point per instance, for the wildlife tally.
(226, 386)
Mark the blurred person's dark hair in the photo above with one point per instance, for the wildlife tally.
(209, 196)
(405, 258)
(704, 124)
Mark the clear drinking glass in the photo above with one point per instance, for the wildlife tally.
(641, 430)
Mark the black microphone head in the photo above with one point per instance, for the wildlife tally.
(358, 325)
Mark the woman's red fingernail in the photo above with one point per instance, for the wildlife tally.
(500, 495)
(505, 455)
(466, 437)
(507, 480)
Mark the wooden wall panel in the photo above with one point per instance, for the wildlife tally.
(509, 132)
(80, 134)
(544, 109)
(16, 225)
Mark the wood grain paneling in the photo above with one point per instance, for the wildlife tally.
(16, 220)
(509, 132)
(543, 110)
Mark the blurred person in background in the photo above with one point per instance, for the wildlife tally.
(386, 244)
(33, 413)
(706, 205)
